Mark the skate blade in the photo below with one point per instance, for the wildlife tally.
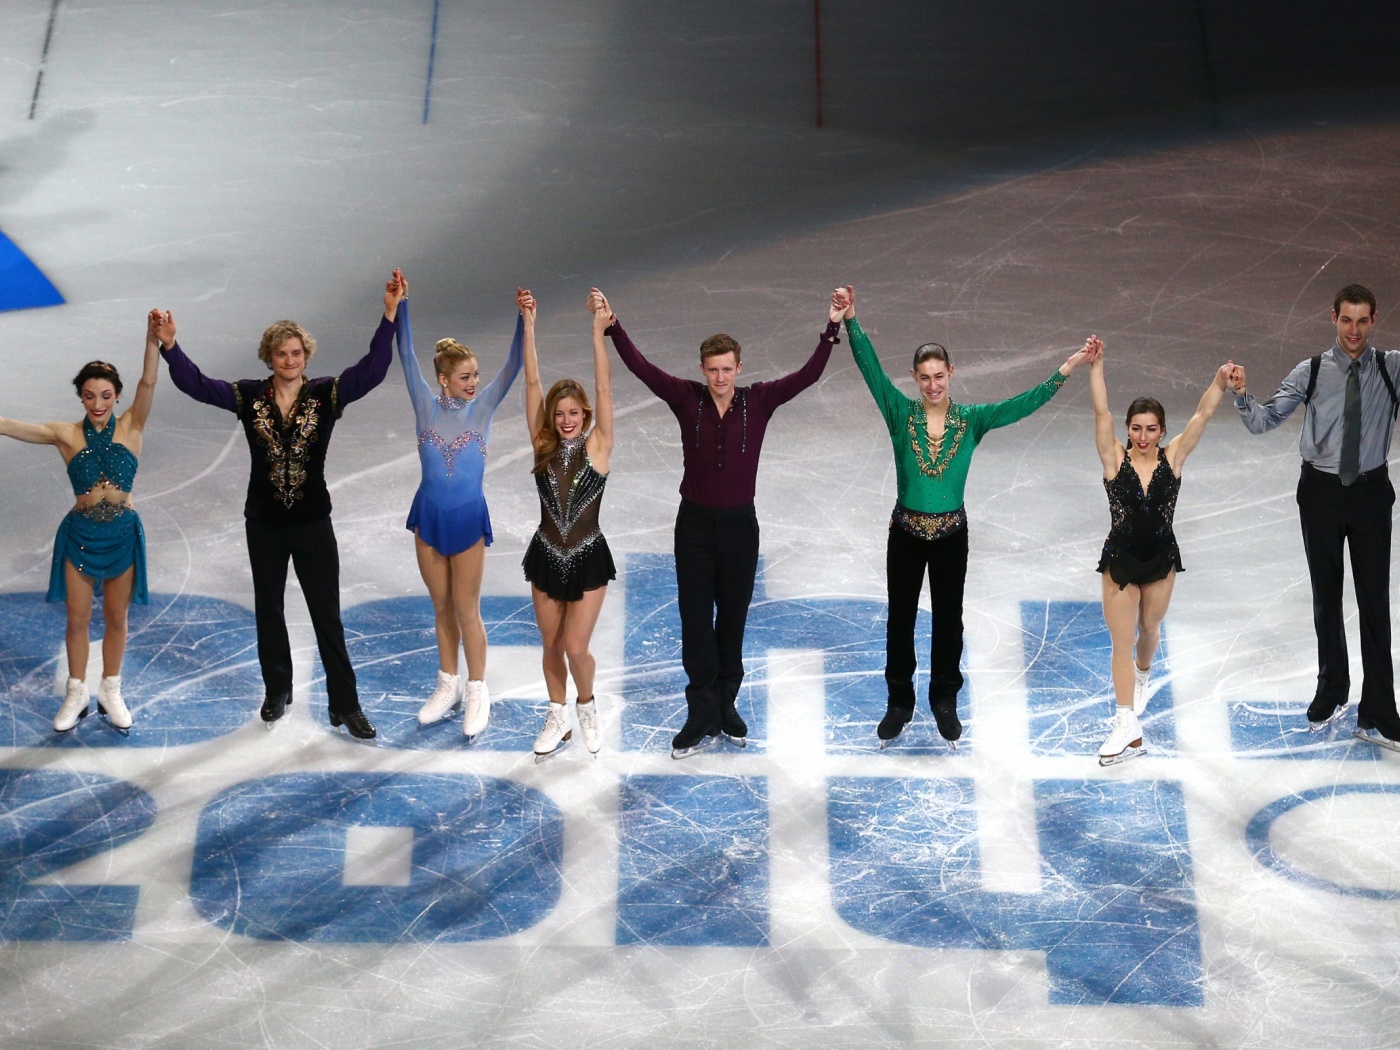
(952, 744)
(1373, 737)
(737, 741)
(451, 712)
(1328, 722)
(704, 744)
(1122, 756)
(541, 758)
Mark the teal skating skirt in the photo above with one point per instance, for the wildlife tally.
(102, 542)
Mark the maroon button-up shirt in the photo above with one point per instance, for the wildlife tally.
(721, 452)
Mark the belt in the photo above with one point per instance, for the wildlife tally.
(1381, 473)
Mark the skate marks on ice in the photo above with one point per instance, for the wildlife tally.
(190, 673)
(810, 836)
(849, 633)
(1070, 696)
(49, 821)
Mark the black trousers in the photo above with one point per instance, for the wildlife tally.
(316, 559)
(716, 560)
(1358, 516)
(907, 559)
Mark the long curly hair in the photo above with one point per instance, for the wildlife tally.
(547, 438)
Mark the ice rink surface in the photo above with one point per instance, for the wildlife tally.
(206, 883)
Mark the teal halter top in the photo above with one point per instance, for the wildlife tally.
(101, 460)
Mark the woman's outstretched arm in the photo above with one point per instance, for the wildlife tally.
(160, 328)
(33, 433)
(534, 388)
(1185, 443)
(1109, 447)
(601, 439)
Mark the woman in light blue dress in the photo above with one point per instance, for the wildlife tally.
(449, 518)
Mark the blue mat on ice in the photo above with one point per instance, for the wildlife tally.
(22, 284)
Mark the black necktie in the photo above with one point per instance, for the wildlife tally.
(1351, 426)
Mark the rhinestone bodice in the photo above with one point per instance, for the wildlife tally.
(101, 460)
(571, 493)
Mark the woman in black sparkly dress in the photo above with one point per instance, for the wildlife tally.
(568, 562)
(1140, 556)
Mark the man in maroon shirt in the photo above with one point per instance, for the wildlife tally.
(722, 427)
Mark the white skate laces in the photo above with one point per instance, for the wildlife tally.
(111, 704)
(74, 706)
(588, 725)
(555, 731)
(1125, 741)
(477, 709)
(446, 696)
(1140, 678)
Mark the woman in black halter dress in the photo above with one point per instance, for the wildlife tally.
(568, 562)
(1140, 556)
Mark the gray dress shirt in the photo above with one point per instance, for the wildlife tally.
(1321, 440)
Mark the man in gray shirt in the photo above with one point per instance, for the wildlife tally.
(1344, 497)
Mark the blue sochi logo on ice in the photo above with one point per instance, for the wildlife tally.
(480, 857)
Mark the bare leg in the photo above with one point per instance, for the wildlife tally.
(1151, 610)
(550, 615)
(116, 601)
(466, 570)
(566, 628)
(1120, 614)
(79, 619)
(579, 621)
(436, 574)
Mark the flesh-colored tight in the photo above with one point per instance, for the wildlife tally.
(1134, 617)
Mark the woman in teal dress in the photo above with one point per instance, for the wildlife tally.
(100, 541)
(933, 438)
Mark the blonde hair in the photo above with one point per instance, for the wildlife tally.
(279, 333)
(547, 438)
(449, 352)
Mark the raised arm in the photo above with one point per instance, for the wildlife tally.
(1105, 440)
(671, 389)
(420, 394)
(1184, 443)
(888, 398)
(780, 391)
(1014, 409)
(494, 393)
(534, 389)
(1261, 417)
(601, 438)
(369, 371)
(160, 328)
(188, 379)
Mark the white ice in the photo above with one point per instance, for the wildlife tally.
(238, 164)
